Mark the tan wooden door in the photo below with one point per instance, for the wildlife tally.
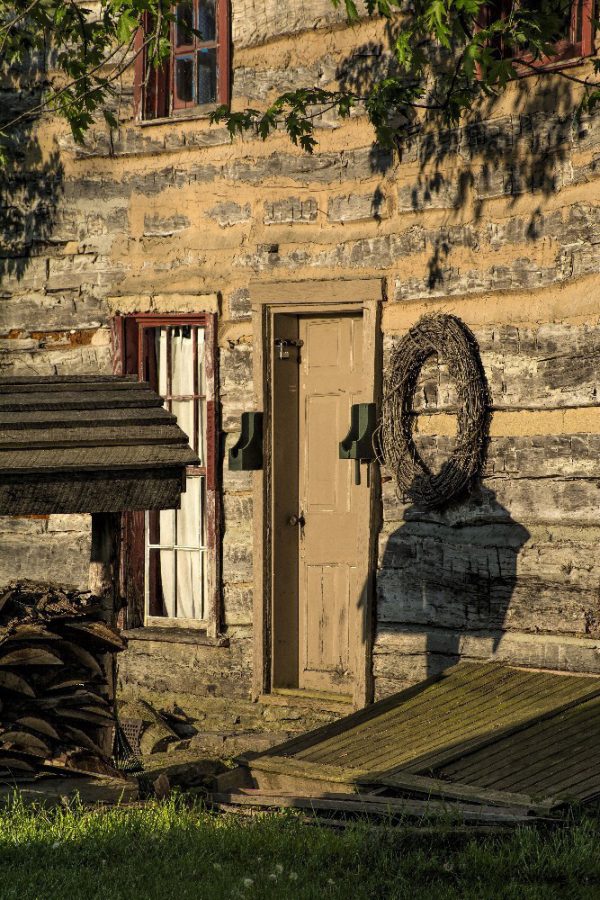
(332, 568)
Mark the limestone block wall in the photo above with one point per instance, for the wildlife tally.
(497, 221)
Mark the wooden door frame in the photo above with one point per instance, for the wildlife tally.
(363, 295)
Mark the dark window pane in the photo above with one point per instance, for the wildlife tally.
(577, 22)
(155, 90)
(207, 75)
(206, 20)
(184, 23)
(553, 16)
(158, 565)
(184, 79)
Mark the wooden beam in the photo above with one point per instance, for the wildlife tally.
(338, 290)
(89, 492)
(102, 558)
(375, 805)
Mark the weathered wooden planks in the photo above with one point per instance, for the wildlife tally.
(557, 757)
(493, 698)
(479, 733)
(57, 438)
(7, 381)
(85, 400)
(88, 444)
(14, 389)
(26, 460)
(469, 700)
(373, 805)
(80, 492)
(68, 418)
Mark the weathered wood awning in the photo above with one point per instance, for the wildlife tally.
(88, 443)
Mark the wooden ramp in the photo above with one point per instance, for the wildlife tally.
(481, 734)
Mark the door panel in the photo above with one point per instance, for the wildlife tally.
(327, 607)
(332, 563)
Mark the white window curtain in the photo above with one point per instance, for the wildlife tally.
(182, 532)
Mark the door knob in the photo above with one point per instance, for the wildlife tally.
(297, 520)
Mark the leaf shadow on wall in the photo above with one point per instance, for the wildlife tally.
(31, 185)
(445, 584)
(518, 146)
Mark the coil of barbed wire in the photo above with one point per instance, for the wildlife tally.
(446, 337)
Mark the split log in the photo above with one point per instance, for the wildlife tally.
(30, 656)
(157, 735)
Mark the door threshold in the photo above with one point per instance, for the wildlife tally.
(320, 699)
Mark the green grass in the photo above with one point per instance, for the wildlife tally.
(169, 850)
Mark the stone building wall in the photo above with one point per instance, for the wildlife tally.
(497, 221)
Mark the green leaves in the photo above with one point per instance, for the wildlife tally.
(127, 24)
(294, 112)
(444, 56)
(91, 49)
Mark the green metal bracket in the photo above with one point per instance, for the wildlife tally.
(358, 443)
(247, 454)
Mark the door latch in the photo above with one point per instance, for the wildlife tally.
(297, 520)
(283, 343)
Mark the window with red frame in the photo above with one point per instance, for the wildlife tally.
(170, 557)
(574, 28)
(197, 74)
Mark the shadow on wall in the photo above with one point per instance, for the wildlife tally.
(31, 185)
(500, 152)
(450, 574)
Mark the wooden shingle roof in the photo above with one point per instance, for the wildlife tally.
(88, 443)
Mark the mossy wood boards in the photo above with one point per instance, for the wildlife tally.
(479, 731)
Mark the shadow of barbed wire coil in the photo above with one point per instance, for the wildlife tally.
(449, 339)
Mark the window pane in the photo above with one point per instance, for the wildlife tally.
(184, 410)
(162, 583)
(189, 585)
(201, 361)
(184, 23)
(206, 20)
(184, 79)
(189, 516)
(207, 75)
(182, 361)
(161, 358)
(552, 16)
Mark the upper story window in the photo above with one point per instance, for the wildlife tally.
(197, 75)
(570, 20)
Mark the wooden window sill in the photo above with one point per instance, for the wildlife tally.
(553, 64)
(201, 114)
(172, 635)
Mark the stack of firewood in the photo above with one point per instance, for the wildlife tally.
(56, 685)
